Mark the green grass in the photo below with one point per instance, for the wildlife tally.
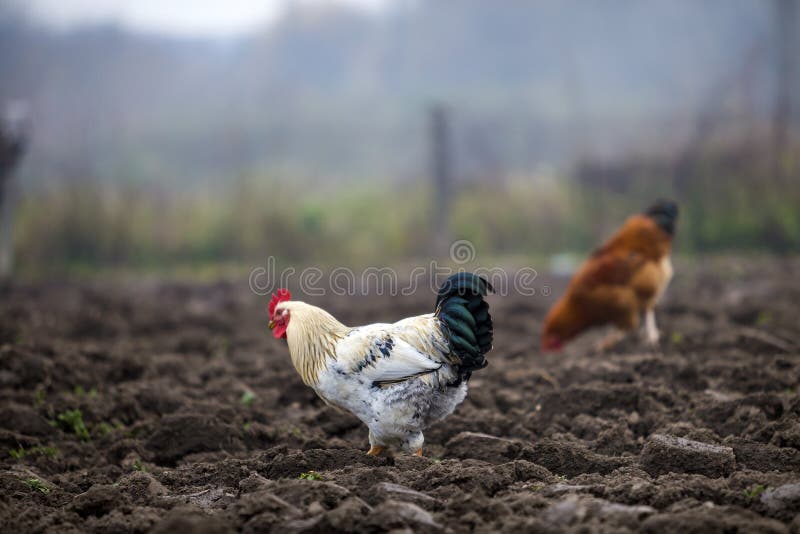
(138, 466)
(247, 398)
(311, 475)
(86, 227)
(80, 392)
(38, 450)
(753, 492)
(103, 429)
(38, 485)
(295, 431)
(38, 398)
(764, 318)
(222, 349)
(72, 421)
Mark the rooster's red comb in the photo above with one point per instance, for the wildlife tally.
(279, 296)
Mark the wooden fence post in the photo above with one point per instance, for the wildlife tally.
(441, 176)
(12, 147)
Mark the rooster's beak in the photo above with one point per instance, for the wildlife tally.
(271, 325)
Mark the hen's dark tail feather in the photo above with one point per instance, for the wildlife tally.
(665, 214)
(460, 306)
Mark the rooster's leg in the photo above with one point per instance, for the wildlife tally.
(376, 450)
(413, 443)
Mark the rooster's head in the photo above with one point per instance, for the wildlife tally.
(279, 315)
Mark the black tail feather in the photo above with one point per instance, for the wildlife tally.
(665, 214)
(460, 306)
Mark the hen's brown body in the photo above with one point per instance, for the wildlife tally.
(620, 281)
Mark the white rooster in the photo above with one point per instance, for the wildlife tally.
(396, 378)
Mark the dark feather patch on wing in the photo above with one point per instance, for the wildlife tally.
(382, 348)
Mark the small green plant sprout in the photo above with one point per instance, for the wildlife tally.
(72, 421)
(50, 452)
(103, 429)
(138, 466)
(247, 426)
(81, 392)
(561, 477)
(311, 475)
(764, 318)
(676, 338)
(247, 397)
(38, 450)
(223, 346)
(38, 485)
(38, 398)
(753, 492)
(133, 432)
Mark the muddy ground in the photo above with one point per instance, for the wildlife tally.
(192, 418)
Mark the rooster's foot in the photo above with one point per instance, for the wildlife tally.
(376, 450)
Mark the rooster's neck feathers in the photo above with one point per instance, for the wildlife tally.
(312, 335)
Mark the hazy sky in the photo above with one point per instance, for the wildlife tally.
(182, 17)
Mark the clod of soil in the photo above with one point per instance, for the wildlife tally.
(670, 454)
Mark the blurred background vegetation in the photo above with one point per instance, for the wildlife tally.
(308, 135)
